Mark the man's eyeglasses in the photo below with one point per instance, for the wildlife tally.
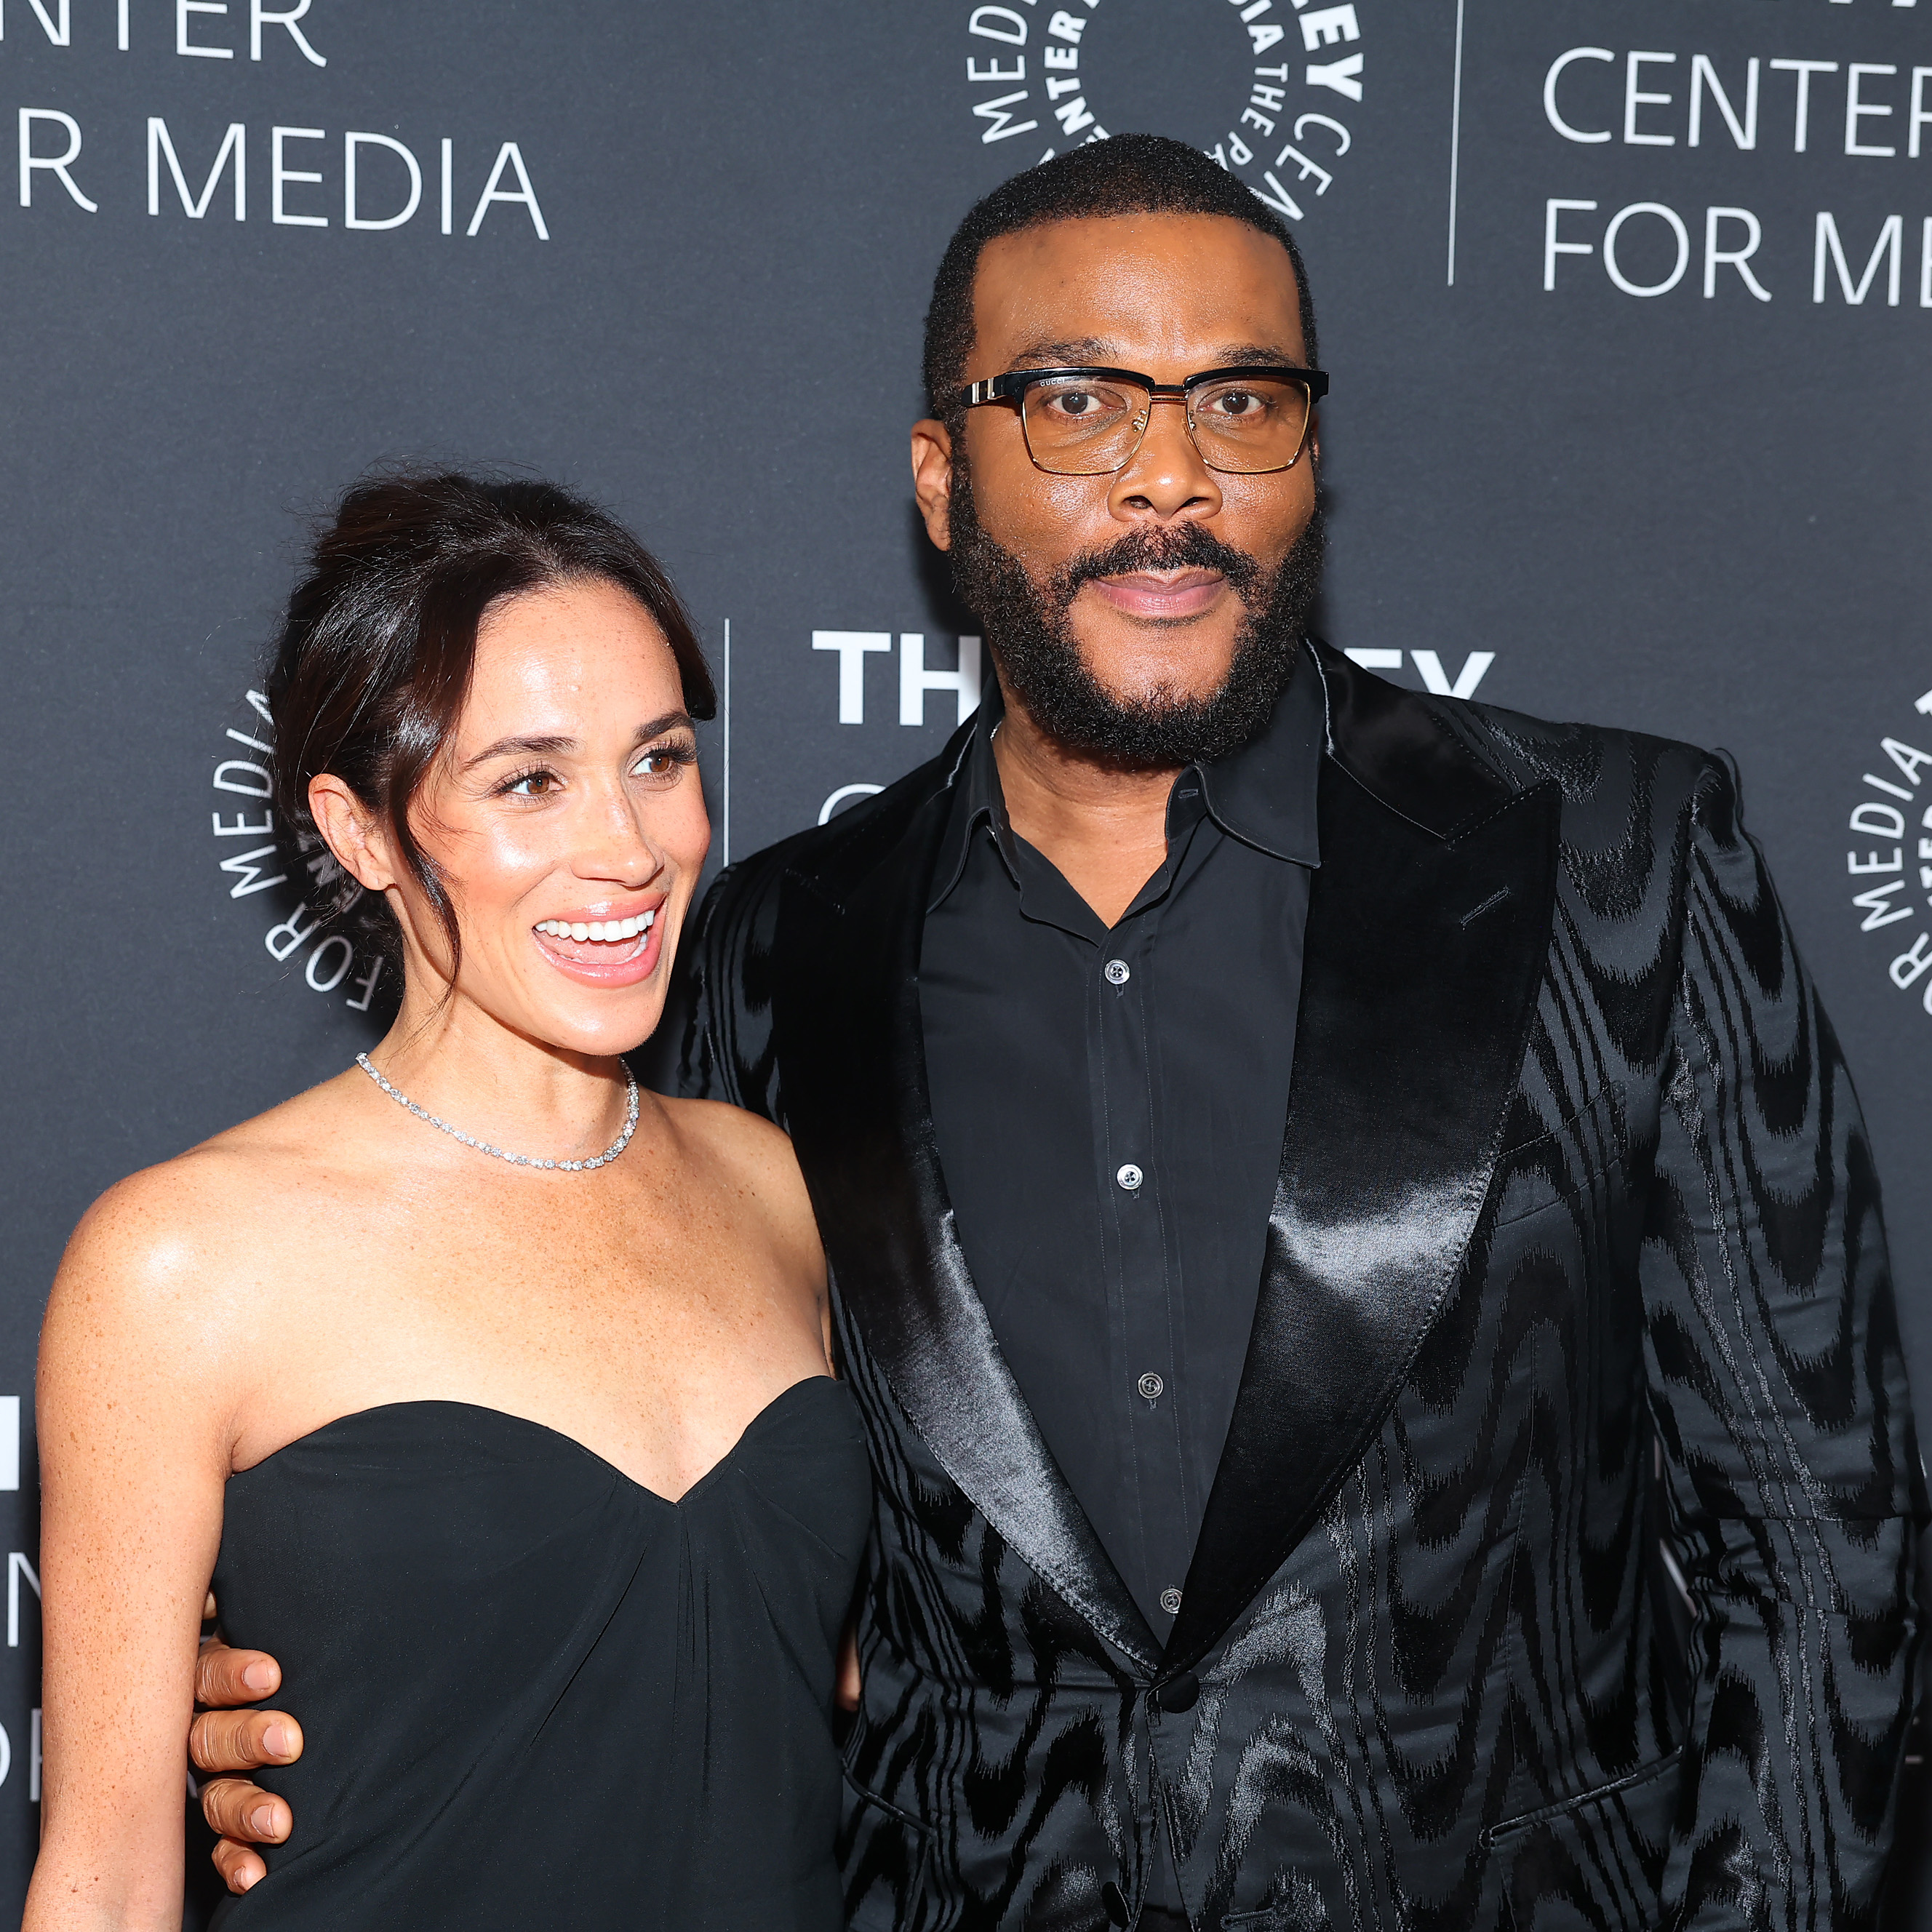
(1245, 421)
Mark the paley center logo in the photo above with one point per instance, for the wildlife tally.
(286, 882)
(1265, 86)
(1890, 868)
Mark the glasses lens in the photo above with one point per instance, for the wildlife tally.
(1083, 425)
(1251, 423)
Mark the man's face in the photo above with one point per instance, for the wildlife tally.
(1159, 580)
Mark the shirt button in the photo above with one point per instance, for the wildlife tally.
(1129, 1177)
(1150, 1386)
(1170, 1601)
(1116, 973)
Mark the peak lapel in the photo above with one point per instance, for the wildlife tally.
(861, 1121)
(1422, 958)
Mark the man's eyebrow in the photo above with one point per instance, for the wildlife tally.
(1084, 349)
(1091, 348)
(1256, 351)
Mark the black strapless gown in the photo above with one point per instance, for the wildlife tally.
(535, 1693)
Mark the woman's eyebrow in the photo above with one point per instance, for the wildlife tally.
(671, 721)
(554, 744)
(531, 747)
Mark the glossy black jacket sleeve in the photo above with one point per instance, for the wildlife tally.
(1778, 1385)
(699, 1075)
(724, 991)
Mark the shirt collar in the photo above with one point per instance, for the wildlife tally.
(977, 798)
(1263, 793)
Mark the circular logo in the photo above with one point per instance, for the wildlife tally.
(1265, 89)
(1890, 864)
(282, 881)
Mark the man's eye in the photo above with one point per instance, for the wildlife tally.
(1082, 405)
(1237, 403)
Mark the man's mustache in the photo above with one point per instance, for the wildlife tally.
(1187, 547)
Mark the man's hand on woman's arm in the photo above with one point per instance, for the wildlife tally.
(226, 1738)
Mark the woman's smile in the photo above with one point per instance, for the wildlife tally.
(606, 951)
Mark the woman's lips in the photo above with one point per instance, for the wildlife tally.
(603, 962)
(1187, 593)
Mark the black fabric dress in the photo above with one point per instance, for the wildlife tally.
(533, 1693)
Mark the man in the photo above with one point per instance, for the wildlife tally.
(1349, 1224)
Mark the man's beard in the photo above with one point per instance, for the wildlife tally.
(1041, 664)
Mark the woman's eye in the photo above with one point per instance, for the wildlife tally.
(661, 761)
(532, 784)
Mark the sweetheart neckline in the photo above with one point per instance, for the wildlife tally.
(544, 1429)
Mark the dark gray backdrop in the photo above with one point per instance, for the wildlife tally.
(1623, 486)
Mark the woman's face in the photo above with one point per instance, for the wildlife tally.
(567, 821)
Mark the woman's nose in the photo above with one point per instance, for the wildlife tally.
(617, 846)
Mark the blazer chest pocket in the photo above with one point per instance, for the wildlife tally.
(1564, 1165)
(883, 1852)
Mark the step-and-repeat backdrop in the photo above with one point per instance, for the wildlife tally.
(1628, 306)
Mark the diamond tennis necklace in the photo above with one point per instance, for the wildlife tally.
(603, 1159)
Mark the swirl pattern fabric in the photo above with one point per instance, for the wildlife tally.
(1559, 1572)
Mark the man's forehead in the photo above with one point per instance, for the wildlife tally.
(1098, 288)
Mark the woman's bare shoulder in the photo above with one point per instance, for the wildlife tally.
(729, 1132)
(749, 1154)
(179, 1226)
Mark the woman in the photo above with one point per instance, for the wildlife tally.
(475, 1352)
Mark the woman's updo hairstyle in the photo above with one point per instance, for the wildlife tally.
(374, 659)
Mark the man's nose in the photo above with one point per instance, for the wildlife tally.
(1166, 478)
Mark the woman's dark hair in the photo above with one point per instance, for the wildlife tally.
(1131, 174)
(374, 659)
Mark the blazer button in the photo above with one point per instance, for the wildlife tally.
(1115, 1903)
(1179, 1694)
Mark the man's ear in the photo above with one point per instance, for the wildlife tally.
(932, 478)
(358, 842)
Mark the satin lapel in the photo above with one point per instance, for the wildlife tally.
(861, 1121)
(1421, 963)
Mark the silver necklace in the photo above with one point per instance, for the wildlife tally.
(603, 1159)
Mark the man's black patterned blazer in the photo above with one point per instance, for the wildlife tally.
(1557, 1572)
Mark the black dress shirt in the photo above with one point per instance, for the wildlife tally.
(1109, 1107)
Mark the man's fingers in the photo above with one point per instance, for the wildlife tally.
(242, 1740)
(236, 1809)
(223, 1678)
(240, 1866)
(851, 1686)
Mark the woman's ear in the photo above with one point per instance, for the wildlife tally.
(359, 842)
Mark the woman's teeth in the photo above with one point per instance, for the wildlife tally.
(597, 928)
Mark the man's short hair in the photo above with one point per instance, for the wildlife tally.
(1130, 174)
